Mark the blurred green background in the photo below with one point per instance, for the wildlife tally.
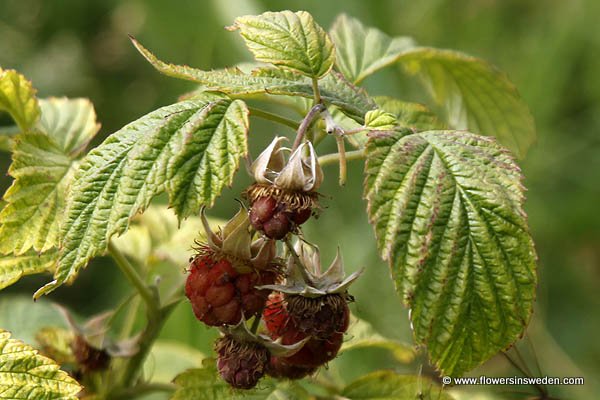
(549, 48)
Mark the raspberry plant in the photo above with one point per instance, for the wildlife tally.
(444, 197)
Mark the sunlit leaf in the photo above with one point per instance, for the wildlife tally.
(189, 149)
(383, 385)
(474, 96)
(410, 115)
(448, 216)
(13, 268)
(361, 51)
(24, 374)
(288, 39)
(17, 97)
(44, 161)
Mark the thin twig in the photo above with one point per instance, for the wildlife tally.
(273, 117)
(334, 157)
(342, 158)
(305, 124)
(132, 275)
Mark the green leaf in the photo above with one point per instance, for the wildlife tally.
(362, 335)
(44, 161)
(24, 374)
(334, 88)
(189, 149)
(13, 268)
(448, 216)
(288, 39)
(40, 314)
(71, 123)
(474, 96)
(380, 120)
(361, 50)
(168, 358)
(17, 97)
(411, 115)
(384, 385)
(205, 384)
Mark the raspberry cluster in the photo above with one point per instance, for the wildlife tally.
(237, 275)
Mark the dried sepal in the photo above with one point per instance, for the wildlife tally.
(301, 173)
(308, 280)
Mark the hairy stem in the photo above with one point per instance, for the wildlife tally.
(273, 117)
(134, 278)
(316, 91)
(148, 336)
(335, 157)
(342, 158)
(542, 390)
(305, 124)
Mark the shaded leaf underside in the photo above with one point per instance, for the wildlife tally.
(334, 88)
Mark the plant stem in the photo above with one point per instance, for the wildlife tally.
(540, 388)
(316, 91)
(136, 280)
(335, 157)
(306, 122)
(342, 157)
(273, 117)
(150, 333)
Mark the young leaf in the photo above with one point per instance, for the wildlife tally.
(361, 51)
(334, 88)
(24, 374)
(17, 97)
(13, 268)
(189, 149)
(448, 216)
(389, 385)
(474, 96)
(288, 39)
(410, 115)
(44, 161)
(71, 123)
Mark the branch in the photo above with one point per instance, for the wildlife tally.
(306, 122)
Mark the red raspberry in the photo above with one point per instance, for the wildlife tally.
(315, 352)
(219, 294)
(279, 368)
(320, 317)
(274, 219)
(241, 364)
